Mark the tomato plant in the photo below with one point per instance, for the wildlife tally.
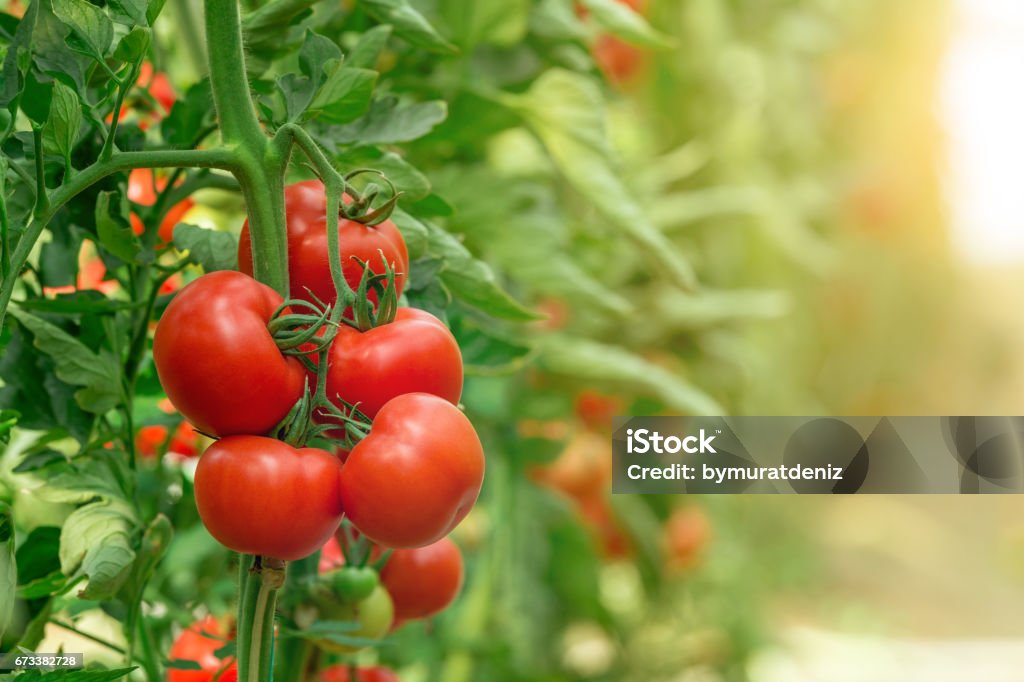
(228, 203)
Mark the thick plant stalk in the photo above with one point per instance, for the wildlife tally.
(261, 164)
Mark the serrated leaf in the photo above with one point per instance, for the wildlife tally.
(96, 542)
(566, 111)
(408, 23)
(89, 23)
(98, 375)
(486, 353)
(589, 361)
(472, 280)
(65, 119)
(212, 249)
(622, 20)
(76, 675)
(498, 22)
(367, 51)
(130, 12)
(114, 228)
(389, 121)
(316, 53)
(133, 46)
(344, 96)
(35, 100)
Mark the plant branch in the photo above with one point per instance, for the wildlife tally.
(121, 161)
(235, 109)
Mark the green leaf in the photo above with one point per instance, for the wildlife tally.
(155, 542)
(182, 664)
(154, 10)
(35, 100)
(487, 353)
(408, 24)
(113, 226)
(388, 122)
(413, 232)
(54, 583)
(472, 280)
(344, 96)
(626, 23)
(592, 362)
(498, 22)
(130, 12)
(316, 55)
(566, 111)
(133, 46)
(212, 249)
(96, 542)
(8, 419)
(75, 675)
(189, 116)
(98, 375)
(367, 51)
(89, 24)
(65, 119)
(8, 568)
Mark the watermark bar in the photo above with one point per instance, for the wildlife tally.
(818, 455)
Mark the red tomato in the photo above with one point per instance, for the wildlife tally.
(150, 439)
(583, 470)
(596, 409)
(619, 61)
(261, 496)
(414, 354)
(198, 644)
(91, 273)
(158, 86)
(306, 204)
(340, 673)
(218, 362)
(423, 581)
(417, 474)
(185, 440)
(141, 190)
(686, 533)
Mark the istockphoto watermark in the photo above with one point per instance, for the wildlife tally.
(825, 455)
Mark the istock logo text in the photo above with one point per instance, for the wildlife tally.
(643, 441)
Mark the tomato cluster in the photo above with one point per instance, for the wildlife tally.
(409, 476)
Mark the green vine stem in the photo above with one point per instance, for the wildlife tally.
(119, 162)
(261, 164)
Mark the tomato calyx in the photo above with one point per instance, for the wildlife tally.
(360, 209)
(364, 314)
(293, 332)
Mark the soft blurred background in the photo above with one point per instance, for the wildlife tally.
(844, 179)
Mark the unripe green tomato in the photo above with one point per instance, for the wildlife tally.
(355, 584)
(373, 614)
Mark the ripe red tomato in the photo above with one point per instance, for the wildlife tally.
(308, 267)
(150, 439)
(414, 354)
(262, 496)
(425, 580)
(340, 673)
(417, 474)
(91, 274)
(141, 190)
(218, 362)
(198, 643)
(686, 534)
(331, 556)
